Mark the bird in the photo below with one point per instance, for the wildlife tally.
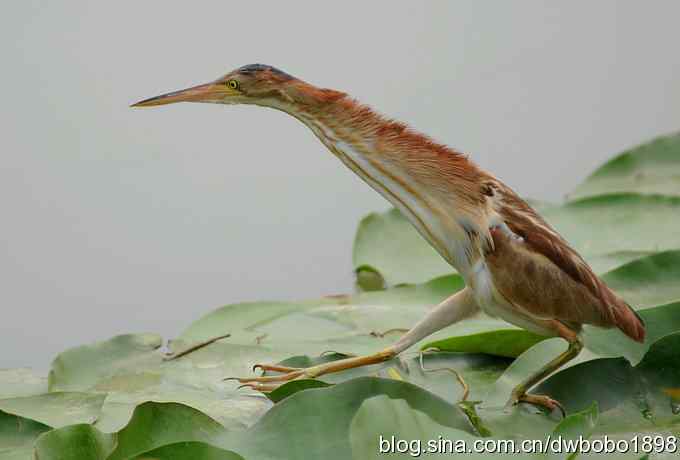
(514, 264)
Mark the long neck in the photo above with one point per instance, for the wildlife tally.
(435, 187)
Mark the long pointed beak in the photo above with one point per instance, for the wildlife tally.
(212, 92)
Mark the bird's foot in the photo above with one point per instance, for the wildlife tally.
(537, 400)
(267, 383)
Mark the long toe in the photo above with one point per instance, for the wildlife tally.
(543, 401)
(269, 378)
(262, 387)
(274, 368)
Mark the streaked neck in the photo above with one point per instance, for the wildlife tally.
(426, 181)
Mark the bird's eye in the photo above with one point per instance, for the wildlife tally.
(233, 84)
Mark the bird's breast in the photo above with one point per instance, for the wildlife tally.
(436, 221)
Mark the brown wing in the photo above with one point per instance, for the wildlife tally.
(546, 277)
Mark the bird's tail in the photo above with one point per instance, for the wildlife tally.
(629, 321)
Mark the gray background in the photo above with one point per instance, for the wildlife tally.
(118, 220)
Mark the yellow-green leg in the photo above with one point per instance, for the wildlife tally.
(519, 393)
(269, 383)
(457, 307)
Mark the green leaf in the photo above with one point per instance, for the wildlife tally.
(608, 224)
(17, 436)
(648, 281)
(653, 168)
(135, 372)
(315, 423)
(192, 450)
(293, 387)
(392, 428)
(168, 430)
(579, 425)
(602, 263)
(75, 442)
(56, 409)
(659, 322)
(155, 425)
(100, 365)
(389, 245)
(21, 382)
(502, 342)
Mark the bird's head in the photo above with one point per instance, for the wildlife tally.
(251, 84)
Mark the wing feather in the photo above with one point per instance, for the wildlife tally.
(544, 275)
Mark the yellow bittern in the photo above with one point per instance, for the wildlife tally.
(515, 265)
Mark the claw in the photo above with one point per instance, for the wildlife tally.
(274, 367)
(261, 387)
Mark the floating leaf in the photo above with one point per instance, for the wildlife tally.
(392, 428)
(84, 368)
(155, 425)
(21, 382)
(387, 244)
(193, 450)
(75, 442)
(608, 224)
(653, 168)
(648, 281)
(17, 436)
(167, 429)
(56, 409)
(315, 423)
(659, 322)
(501, 342)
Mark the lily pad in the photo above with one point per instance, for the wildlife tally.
(56, 409)
(608, 224)
(18, 435)
(75, 442)
(315, 423)
(193, 450)
(154, 425)
(83, 368)
(387, 243)
(648, 281)
(387, 427)
(652, 168)
(21, 382)
(136, 372)
(501, 342)
(166, 429)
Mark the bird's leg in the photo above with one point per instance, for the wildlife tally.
(455, 308)
(519, 393)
